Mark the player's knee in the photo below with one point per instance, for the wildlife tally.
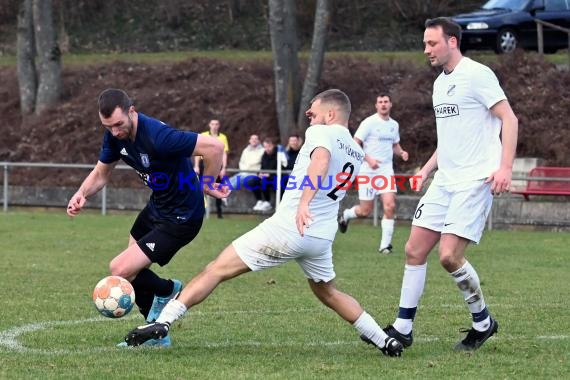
(117, 269)
(364, 211)
(325, 295)
(389, 208)
(413, 253)
(449, 261)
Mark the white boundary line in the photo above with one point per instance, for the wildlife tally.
(9, 339)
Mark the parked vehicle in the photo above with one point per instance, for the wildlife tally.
(504, 25)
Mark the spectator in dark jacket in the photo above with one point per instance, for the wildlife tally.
(264, 184)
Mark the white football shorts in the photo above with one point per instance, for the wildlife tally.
(380, 181)
(460, 209)
(269, 245)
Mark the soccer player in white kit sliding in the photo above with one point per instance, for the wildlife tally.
(302, 229)
(472, 164)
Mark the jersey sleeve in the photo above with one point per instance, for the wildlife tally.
(317, 136)
(363, 130)
(109, 151)
(173, 142)
(486, 87)
(396, 132)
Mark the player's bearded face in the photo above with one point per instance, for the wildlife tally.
(436, 46)
(120, 124)
(316, 114)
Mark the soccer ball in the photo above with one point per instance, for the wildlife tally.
(114, 297)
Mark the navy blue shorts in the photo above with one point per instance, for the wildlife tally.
(160, 240)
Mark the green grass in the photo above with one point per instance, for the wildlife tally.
(268, 325)
(79, 60)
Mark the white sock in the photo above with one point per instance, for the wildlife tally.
(367, 326)
(413, 284)
(387, 232)
(173, 310)
(349, 213)
(469, 285)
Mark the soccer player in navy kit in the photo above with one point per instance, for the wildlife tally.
(161, 155)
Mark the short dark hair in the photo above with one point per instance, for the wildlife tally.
(337, 98)
(112, 98)
(269, 140)
(449, 27)
(384, 95)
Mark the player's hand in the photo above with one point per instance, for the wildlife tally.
(501, 181)
(373, 163)
(404, 155)
(417, 181)
(217, 190)
(303, 218)
(75, 204)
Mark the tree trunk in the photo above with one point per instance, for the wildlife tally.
(234, 10)
(173, 11)
(315, 64)
(283, 31)
(27, 80)
(48, 54)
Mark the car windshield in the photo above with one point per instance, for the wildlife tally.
(506, 4)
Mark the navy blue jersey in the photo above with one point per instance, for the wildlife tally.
(162, 157)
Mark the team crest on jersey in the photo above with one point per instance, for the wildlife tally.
(446, 110)
(451, 90)
(145, 160)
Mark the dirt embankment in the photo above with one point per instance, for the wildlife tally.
(187, 94)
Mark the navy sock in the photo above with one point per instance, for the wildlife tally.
(143, 299)
(147, 280)
(407, 313)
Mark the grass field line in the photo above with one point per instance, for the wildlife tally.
(9, 339)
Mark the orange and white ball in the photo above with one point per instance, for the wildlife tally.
(114, 297)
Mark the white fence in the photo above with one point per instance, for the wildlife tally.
(104, 203)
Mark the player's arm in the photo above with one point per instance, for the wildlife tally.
(94, 182)
(398, 151)
(418, 180)
(212, 151)
(509, 135)
(318, 168)
(224, 164)
(372, 162)
(197, 163)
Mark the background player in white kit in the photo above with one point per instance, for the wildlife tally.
(379, 135)
(302, 229)
(476, 143)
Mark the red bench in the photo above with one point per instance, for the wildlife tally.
(537, 187)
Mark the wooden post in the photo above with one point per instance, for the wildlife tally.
(540, 34)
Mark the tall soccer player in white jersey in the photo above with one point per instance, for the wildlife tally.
(476, 143)
(302, 229)
(379, 136)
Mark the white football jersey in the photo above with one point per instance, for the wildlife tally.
(468, 143)
(346, 157)
(378, 137)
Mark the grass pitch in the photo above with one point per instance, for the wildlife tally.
(268, 325)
